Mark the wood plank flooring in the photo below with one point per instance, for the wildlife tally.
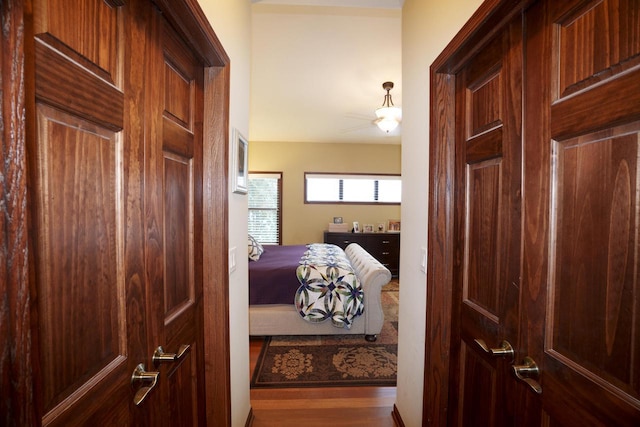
(311, 407)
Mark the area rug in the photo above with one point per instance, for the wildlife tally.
(332, 360)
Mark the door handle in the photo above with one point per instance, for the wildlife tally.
(526, 372)
(148, 379)
(505, 349)
(159, 356)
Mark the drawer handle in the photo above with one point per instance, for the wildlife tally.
(385, 253)
(385, 241)
(346, 242)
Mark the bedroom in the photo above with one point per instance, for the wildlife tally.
(353, 60)
(427, 27)
(414, 71)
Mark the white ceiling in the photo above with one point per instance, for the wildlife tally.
(317, 69)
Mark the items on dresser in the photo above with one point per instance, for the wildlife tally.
(341, 227)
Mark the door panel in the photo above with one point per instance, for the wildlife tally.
(480, 388)
(184, 403)
(486, 274)
(481, 287)
(594, 40)
(596, 233)
(117, 211)
(592, 340)
(182, 209)
(79, 174)
(577, 315)
(93, 41)
(78, 214)
(178, 232)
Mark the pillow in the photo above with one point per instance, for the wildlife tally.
(255, 249)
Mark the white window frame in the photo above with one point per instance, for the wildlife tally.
(339, 181)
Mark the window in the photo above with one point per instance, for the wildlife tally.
(265, 206)
(352, 188)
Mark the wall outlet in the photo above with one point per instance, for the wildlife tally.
(423, 260)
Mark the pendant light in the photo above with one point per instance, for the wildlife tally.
(388, 115)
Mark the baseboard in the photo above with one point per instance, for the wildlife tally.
(250, 418)
(397, 419)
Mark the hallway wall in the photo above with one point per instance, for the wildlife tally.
(427, 27)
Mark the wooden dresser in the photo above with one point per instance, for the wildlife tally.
(385, 247)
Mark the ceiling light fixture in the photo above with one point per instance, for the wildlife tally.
(388, 115)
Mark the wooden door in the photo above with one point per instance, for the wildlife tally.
(581, 208)
(179, 288)
(578, 291)
(88, 223)
(117, 216)
(486, 274)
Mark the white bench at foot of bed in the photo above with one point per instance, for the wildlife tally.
(283, 319)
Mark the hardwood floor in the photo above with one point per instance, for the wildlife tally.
(311, 407)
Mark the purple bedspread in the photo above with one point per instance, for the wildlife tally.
(272, 279)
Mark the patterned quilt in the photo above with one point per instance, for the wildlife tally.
(329, 287)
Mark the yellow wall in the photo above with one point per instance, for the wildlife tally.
(305, 223)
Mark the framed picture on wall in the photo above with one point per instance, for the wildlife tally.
(240, 162)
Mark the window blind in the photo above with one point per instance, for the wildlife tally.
(264, 202)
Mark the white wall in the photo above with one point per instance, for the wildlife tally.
(231, 21)
(427, 27)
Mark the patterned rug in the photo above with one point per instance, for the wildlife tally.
(332, 360)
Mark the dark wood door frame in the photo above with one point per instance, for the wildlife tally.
(485, 23)
(19, 403)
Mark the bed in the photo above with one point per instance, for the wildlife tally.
(276, 311)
